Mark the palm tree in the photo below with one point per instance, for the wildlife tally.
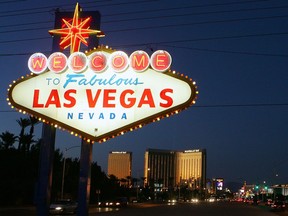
(23, 123)
(7, 139)
(29, 137)
(143, 181)
(27, 141)
(123, 181)
(33, 121)
(135, 182)
(129, 180)
(114, 179)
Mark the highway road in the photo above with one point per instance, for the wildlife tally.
(163, 209)
(199, 209)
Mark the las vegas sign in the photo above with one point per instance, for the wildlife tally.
(102, 93)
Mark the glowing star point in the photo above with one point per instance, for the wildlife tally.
(76, 32)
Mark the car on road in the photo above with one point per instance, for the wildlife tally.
(278, 206)
(194, 200)
(110, 203)
(116, 203)
(269, 202)
(63, 207)
(172, 201)
(211, 199)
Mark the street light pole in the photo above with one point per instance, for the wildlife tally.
(63, 170)
(63, 177)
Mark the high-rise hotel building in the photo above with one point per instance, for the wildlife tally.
(166, 168)
(159, 168)
(191, 168)
(120, 164)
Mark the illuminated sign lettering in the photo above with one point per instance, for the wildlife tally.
(192, 151)
(118, 61)
(121, 152)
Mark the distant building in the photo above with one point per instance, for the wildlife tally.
(120, 164)
(217, 185)
(159, 168)
(281, 189)
(170, 169)
(191, 168)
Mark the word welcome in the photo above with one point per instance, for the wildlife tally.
(99, 61)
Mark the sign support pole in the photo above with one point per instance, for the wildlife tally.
(86, 147)
(84, 178)
(46, 156)
(45, 170)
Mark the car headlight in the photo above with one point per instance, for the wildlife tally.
(58, 208)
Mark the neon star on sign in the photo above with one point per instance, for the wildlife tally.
(76, 32)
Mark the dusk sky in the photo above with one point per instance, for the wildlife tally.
(236, 51)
